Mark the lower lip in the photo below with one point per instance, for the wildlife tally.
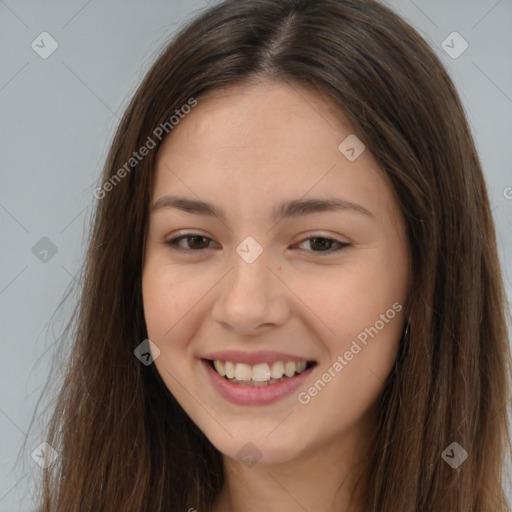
(254, 395)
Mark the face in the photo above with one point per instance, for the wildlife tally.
(246, 280)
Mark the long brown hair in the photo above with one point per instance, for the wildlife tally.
(125, 444)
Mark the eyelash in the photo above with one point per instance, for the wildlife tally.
(172, 243)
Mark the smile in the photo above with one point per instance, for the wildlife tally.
(246, 390)
(259, 374)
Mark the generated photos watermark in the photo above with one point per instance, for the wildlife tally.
(159, 133)
(305, 397)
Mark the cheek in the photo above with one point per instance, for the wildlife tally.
(351, 297)
(157, 302)
(167, 297)
(165, 303)
(173, 302)
(163, 307)
(364, 309)
(361, 305)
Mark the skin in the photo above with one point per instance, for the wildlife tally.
(246, 148)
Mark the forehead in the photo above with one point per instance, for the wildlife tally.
(248, 142)
(272, 114)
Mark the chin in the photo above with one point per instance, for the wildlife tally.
(256, 449)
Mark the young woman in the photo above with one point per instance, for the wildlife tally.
(292, 297)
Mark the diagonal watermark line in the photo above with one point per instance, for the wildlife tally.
(13, 422)
(12, 280)
(13, 218)
(424, 13)
(75, 15)
(300, 505)
(492, 81)
(92, 92)
(72, 276)
(402, 403)
(301, 300)
(197, 402)
(286, 417)
(199, 301)
(13, 77)
(376, 376)
(73, 219)
(14, 486)
(13, 13)
(306, 193)
(500, 410)
(165, 165)
(485, 15)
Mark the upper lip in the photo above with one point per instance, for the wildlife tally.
(252, 358)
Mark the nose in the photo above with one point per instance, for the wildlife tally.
(252, 297)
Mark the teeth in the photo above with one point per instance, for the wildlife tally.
(229, 368)
(289, 369)
(219, 366)
(243, 372)
(277, 370)
(259, 372)
(301, 366)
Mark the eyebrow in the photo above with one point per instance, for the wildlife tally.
(294, 208)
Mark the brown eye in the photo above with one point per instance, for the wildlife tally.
(324, 245)
(196, 243)
(321, 243)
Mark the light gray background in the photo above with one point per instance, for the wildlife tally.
(57, 119)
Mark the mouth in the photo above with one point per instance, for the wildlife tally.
(259, 375)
